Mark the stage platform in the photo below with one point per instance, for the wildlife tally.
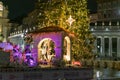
(68, 73)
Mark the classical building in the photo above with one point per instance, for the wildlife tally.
(93, 17)
(4, 25)
(106, 28)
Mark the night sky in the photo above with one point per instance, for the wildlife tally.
(21, 7)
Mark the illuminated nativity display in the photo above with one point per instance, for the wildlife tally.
(49, 44)
(43, 46)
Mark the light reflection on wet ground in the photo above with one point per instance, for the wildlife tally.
(106, 74)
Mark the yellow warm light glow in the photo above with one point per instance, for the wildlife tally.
(67, 58)
(70, 20)
(68, 53)
(1, 7)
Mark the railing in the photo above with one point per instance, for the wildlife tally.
(106, 28)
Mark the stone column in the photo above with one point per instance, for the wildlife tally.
(110, 47)
(95, 44)
(102, 47)
(118, 47)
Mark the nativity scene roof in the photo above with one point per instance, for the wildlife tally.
(49, 29)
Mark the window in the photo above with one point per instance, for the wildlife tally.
(98, 45)
(114, 47)
(106, 44)
(99, 6)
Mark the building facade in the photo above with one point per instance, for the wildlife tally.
(4, 25)
(106, 28)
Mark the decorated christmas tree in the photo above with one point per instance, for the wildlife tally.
(72, 15)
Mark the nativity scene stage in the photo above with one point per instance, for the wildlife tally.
(52, 43)
(46, 46)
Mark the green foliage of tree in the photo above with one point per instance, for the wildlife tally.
(56, 12)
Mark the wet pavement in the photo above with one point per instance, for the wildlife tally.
(106, 74)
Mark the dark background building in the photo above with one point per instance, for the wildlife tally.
(106, 28)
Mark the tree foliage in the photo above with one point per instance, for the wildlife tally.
(56, 12)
